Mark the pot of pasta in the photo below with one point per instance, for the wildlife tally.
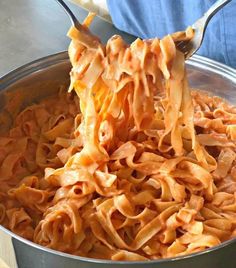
(119, 155)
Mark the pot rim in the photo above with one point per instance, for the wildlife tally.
(196, 61)
(40, 64)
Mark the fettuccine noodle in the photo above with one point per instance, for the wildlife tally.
(136, 168)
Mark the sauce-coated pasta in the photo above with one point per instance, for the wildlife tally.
(136, 168)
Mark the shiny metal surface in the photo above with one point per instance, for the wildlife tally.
(42, 78)
(190, 47)
(70, 14)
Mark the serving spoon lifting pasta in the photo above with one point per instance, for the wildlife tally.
(187, 47)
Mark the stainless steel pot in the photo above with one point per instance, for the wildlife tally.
(42, 78)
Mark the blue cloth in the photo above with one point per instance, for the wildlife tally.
(156, 18)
